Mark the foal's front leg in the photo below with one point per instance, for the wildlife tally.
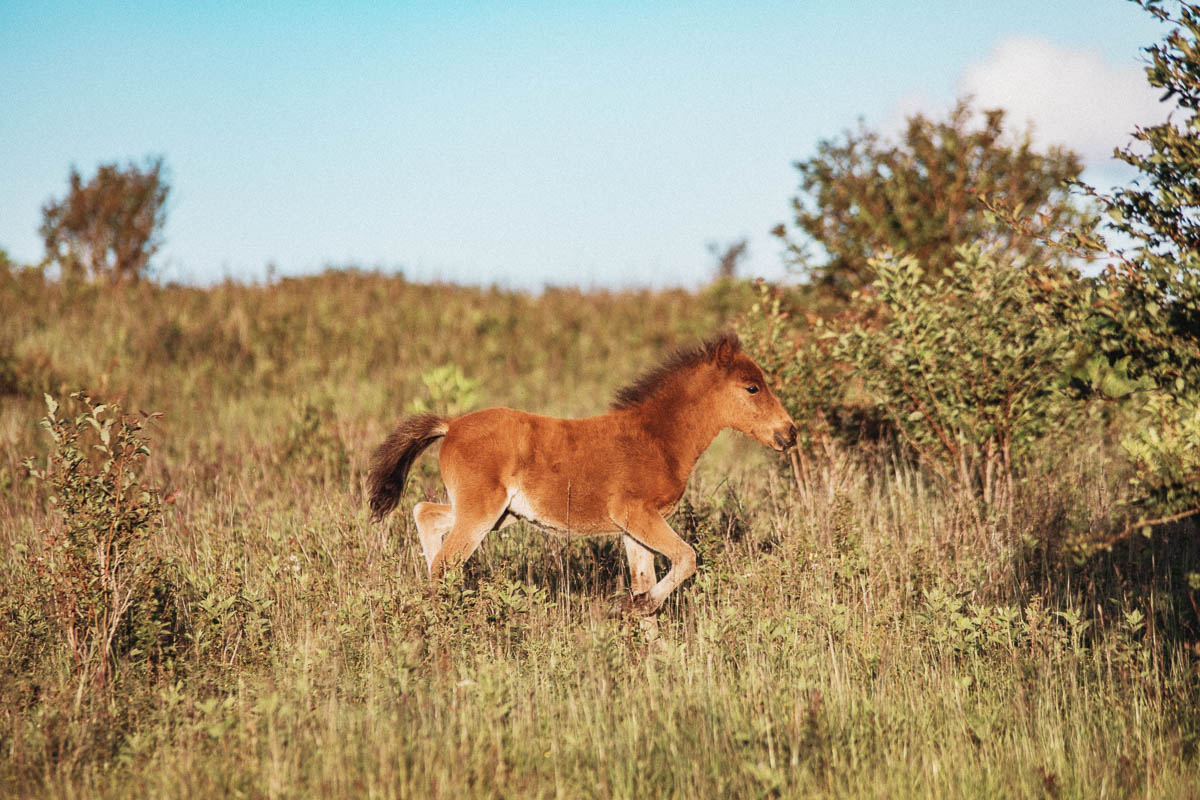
(641, 565)
(651, 531)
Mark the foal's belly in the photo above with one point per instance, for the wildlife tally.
(562, 516)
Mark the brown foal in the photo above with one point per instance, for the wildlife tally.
(620, 472)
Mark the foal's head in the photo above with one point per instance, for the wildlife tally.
(743, 400)
(733, 387)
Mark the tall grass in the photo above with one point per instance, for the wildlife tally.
(844, 637)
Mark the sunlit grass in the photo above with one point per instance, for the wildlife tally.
(851, 639)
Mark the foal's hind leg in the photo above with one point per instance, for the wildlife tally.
(475, 515)
(433, 521)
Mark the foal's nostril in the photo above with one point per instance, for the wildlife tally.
(786, 441)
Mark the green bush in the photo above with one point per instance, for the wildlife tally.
(1152, 322)
(451, 392)
(1139, 320)
(99, 585)
(312, 446)
(969, 369)
(864, 194)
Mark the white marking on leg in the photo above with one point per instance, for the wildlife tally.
(433, 520)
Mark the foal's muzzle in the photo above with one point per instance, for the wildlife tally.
(787, 441)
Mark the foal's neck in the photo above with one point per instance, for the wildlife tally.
(684, 423)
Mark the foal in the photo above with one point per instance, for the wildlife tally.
(620, 472)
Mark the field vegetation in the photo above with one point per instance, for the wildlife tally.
(976, 577)
(202, 606)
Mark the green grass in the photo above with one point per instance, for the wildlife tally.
(856, 639)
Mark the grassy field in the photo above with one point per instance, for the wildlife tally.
(850, 636)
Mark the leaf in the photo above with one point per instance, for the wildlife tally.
(1114, 386)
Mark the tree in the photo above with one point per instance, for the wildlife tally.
(864, 196)
(1155, 317)
(1145, 312)
(1137, 324)
(109, 227)
(728, 258)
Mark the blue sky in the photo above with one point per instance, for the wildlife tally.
(598, 144)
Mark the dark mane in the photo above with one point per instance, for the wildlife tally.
(649, 383)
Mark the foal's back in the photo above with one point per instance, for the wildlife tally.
(564, 474)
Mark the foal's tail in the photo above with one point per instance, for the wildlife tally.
(394, 458)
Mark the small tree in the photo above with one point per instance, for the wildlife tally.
(1150, 316)
(728, 257)
(864, 196)
(1141, 316)
(100, 584)
(109, 227)
(1156, 320)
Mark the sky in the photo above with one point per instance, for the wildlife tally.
(598, 144)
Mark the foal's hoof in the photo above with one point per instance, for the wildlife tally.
(639, 605)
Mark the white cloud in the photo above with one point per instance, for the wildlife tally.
(1072, 97)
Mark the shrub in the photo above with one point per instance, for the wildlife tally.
(1165, 451)
(969, 368)
(100, 584)
(312, 446)
(863, 195)
(451, 391)
(1153, 323)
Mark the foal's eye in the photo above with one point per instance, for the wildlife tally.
(752, 389)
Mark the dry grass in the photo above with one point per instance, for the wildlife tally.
(855, 638)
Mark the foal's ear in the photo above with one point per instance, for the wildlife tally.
(724, 353)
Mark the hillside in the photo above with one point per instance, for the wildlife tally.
(846, 636)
